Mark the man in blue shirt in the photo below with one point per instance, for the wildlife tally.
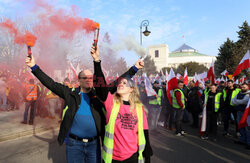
(83, 122)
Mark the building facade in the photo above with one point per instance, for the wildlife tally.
(162, 58)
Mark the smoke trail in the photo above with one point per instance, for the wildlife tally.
(130, 44)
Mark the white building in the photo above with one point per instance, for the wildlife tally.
(162, 58)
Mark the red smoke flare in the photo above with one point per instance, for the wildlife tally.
(28, 38)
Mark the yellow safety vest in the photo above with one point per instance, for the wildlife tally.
(156, 101)
(217, 102)
(206, 91)
(107, 152)
(174, 101)
(234, 93)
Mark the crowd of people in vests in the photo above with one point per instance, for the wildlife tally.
(18, 89)
(205, 108)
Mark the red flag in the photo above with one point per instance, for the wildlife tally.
(245, 119)
(210, 73)
(171, 85)
(244, 64)
(185, 79)
(224, 73)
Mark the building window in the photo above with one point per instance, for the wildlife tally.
(156, 53)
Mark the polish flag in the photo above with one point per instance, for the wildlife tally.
(166, 75)
(196, 79)
(241, 80)
(157, 77)
(162, 73)
(244, 64)
(78, 68)
(245, 119)
(222, 79)
(244, 78)
(73, 70)
(179, 77)
(224, 73)
(171, 84)
(210, 73)
(204, 118)
(217, 81)
(185, 79)
(148, 86)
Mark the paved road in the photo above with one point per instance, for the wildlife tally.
(169, 148)
(43, 148)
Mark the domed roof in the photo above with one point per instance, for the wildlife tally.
(185, 48)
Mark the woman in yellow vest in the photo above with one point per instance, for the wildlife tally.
(126, 132)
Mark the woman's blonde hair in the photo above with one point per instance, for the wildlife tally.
(134, 97)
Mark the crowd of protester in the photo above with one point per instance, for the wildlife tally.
(18, 89)
(224, 102)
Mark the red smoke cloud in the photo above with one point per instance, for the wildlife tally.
(28, 38)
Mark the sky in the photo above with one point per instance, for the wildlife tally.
(205, 24)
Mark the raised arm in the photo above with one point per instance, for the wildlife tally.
(55, 87)
(100, 84)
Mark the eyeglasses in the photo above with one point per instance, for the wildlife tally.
(90, 78)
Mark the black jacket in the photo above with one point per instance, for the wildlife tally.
(72, 100)
(102, 93)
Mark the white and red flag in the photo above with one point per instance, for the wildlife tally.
(245, 119)
(244, 64)
(73, 70)
(166, 75)
(210, 73)
(148, 86)
(162, 73)
(171, 84)
(185, 78)
(224, 73)
(179, 76)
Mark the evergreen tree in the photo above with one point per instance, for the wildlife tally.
(224, 58)
(149, 68)
(231, 53)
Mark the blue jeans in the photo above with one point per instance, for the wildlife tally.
(32, 106)
(80, 152)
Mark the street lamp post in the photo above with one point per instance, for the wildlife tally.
(144, 23)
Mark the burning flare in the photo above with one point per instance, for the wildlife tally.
(96, 35)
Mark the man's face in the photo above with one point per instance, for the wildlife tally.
(244, 88)
(86, 79)
(191, 84)
(213, 89)
(230, 84)
(200, 85)
(180, 85)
